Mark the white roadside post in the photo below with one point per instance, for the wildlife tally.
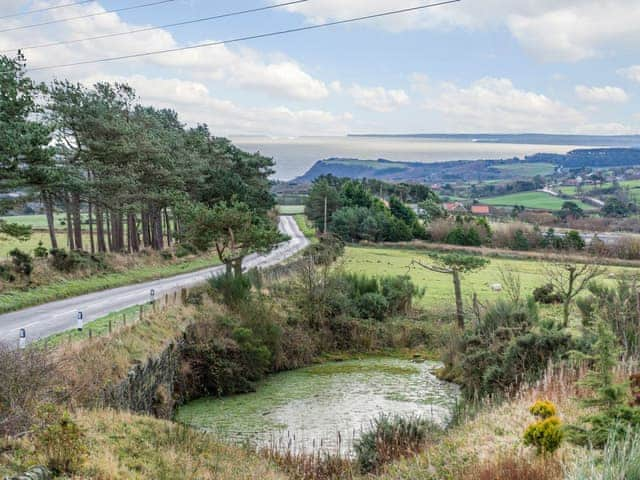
(22, 341)
(80, 321)
(152, 296)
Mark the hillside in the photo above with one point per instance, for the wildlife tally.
(471, 170)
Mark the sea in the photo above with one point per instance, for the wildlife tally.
(294, 156)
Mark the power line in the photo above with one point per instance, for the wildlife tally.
(159, 27)
(62, 20)
(47, 9)
(245, 38)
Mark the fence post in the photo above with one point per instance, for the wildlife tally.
(124, 319)
(141, 307)
(110, 327)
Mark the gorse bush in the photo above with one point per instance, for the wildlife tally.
(233, 289)
(391, 438)
(73, 260)
(22, 262)
(508, 347)
(546, 295)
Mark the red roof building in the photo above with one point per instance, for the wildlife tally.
(480, 209)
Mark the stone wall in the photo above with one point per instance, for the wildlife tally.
(35, 473)
(149, 386)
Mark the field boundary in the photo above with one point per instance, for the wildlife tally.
(502, 253)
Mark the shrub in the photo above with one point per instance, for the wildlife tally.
(40, 251)
(400, 292)
(464, 235)
(373, 305)
(233, 289)
(391, 438)
(166, 254)
(183, 249)
(26, 378)
(543, 409)
(61, 441)
(72, 261)
(546, 294)
(22, 262)
(545, 434)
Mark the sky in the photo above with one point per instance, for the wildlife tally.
(476, 66)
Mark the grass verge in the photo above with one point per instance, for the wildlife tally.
(19, 299)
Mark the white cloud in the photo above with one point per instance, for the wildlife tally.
(244, 68)
(566, 30)
(336, 86)
(601, 94)
(632, 73)
(496, 105)
(378, 99)
(195, 104)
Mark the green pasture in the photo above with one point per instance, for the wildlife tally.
(534, 200)
(439, 294)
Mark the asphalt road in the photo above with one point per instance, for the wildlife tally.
(49, 318)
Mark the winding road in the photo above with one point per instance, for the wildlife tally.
(50, 318)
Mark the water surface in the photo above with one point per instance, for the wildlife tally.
(325, 406)
(294, 156)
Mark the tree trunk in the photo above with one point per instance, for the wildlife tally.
(48, 205)
(167, 223)
(146, 237)
(109, 241)
(458, 292)
(91, 242)
(77, 220)
(102, 247)
(67, 207)
(237, 267)
(134, 241)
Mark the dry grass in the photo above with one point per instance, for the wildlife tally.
(317, 466)
(126, 446)
(86, 367)
(518, 466)
(498, 427)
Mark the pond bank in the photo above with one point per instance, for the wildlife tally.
(325, 407)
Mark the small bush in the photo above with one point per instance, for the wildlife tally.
(543, 409)
(22, 262)
(185, 249)
(545, 434)
(391, 438)
(546, 294)
(40, 251)
(234, 289)
(373, 305)
(166, 254)
(72, 261)
(61, 441)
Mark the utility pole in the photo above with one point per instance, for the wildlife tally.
(325, 214)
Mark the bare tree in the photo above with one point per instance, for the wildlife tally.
(454, 264)
(569, 279)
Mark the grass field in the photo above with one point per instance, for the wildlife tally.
(526, 170)
(40, 221)
(290, 209)
(439, 287)
(37, 236)
(534, 200)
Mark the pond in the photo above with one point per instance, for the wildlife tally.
(325, 407)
